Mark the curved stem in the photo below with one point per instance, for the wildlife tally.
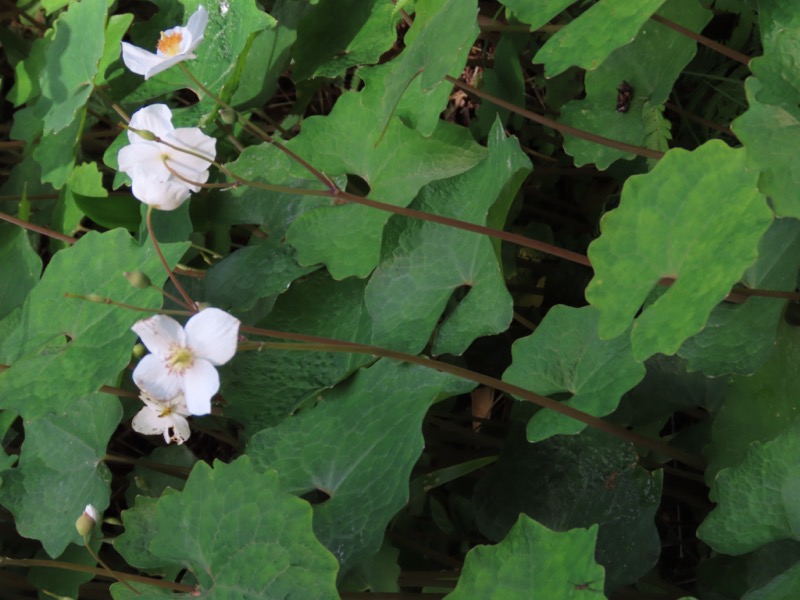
(320, 344)
(190, 304)
(108, 570)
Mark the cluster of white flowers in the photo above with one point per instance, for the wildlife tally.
(166, 165)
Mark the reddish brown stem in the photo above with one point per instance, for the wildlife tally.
(724, 50)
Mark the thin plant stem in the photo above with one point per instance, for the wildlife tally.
(38, 229)
(66, 566)
(560, 127)
(103, 564)
(717, 47)
(320, 344)
(258, 131)
(189, 303)
(105, 300)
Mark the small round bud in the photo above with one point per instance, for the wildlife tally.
(228, 116)
(96, 298)
(144, 134)
(138, 279)
(139, 351)
(87, 521)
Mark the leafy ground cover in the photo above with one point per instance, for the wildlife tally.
(435, 299)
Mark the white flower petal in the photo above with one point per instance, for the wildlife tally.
(143, 161)
(160, 334)
(148, 422)
(156, 118)
(167, 195)
(165, 63)
(180, 429)
(197, 27)
(200, 383)
(153, 376)
(138, 60)
(212, 334)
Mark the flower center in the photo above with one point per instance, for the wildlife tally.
(166, 411)
(181, 359)
(170, 44)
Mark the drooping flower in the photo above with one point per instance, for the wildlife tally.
(175, 45)
(148, 162)
(163, 417)
(182, 360)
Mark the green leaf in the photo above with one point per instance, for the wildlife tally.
(589, 39)
(424, 264)
(60, 471)
(252, 273)
(71, 61)
(785, 586)
(242, 537)
(564, 354)
(56, 153)
(140, 528)
(263, 388)
(26, 73)
(740, 337)
(20, 267)
(779, 27)
(347, 238)
(364, 30)
(163, 468)
(378, 573)
(532, 562)
(437, 45)
(696, 217)
(757, 498)
(650, 64)
(274, 211)
(85, 188)
(536, 14)
(115, 30)
(741, 420)
(66, 348)
(366, 477)
(576, 481)
(768, 133)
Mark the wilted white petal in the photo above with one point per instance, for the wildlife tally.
(200, 383)
(165, 418)
(160, 334)
(212, 334)
(153, 376)
(180, 429)
(148, 422)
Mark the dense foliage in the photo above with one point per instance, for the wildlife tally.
(514, 287)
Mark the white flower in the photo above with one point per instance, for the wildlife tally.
(163, 417)
(91, 512)
(174, 46)
(183, 359)
(146, 161)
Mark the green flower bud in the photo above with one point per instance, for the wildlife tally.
(139, 351)
(86, 522)
(228, 116)
(144, 134)
(138, 279)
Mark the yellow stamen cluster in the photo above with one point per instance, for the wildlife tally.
(170, 45)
